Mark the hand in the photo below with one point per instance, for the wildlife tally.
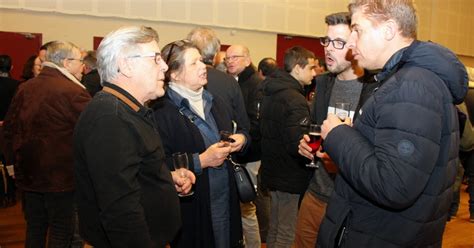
(328, 163)
(215, 154)
(303, 147)
(183, 180)
(238, 143)
(331, 122)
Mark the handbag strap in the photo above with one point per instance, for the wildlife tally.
(199, 122)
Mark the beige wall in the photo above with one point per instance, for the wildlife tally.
(254, 23)
(467, 60)
(80, 29)
(447, 22)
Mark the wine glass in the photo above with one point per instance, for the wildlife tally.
(225, 137)
(342, 110)
(314, 142)
(181, 164)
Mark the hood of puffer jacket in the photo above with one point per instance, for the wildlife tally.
(442, 62)
(278, 81)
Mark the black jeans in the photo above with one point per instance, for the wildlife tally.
(49, 214)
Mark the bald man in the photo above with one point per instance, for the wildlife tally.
(239, 65)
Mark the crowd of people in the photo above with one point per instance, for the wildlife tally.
(92, 138)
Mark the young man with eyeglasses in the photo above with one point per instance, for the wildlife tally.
(39, 131)
(345, 82)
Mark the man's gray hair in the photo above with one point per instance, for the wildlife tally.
(206, 40)
(58, 51)
(119, 44)
(90, 59)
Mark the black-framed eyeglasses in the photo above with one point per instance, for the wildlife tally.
(233, 58)
(155, 55)
(178, 43)
(336, 43)
(80, 60)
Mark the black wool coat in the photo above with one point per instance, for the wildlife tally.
(179, 134)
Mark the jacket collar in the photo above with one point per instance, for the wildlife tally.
(65, 72)
(124, 96)
(395, 62)
(246, 73)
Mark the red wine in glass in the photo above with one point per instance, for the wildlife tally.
(225, 137)
(314, 142)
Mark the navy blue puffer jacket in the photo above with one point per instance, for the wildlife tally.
(397, 164)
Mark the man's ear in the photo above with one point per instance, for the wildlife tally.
(248, 61)
(297, 69)
(65, 63)
(124, 67)
(296, 72)
(390, 29)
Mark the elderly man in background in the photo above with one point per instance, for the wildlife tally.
(219, 83)
(126, 194)
(240, 66)
(38, 130)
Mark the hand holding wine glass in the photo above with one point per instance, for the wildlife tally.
(181, 166)
(314, 142)
(225, 137)
(342, 110)
(235, 140)
(214, 155)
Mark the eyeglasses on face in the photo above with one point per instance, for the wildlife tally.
(233, 58)
(80, 60)
(336, 43)
(155, 55)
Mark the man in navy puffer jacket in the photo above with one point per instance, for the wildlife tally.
(398, 162)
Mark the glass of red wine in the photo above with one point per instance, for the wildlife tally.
(314, 142)
(225, 137)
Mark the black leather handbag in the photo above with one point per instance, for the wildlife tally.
(246, 189)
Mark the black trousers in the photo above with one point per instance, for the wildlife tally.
(48, 215)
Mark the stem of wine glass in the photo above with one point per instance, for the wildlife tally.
(181, 173)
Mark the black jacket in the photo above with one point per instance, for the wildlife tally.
(250, 84)
(125, 193)
(7, 91)
(283, 107)
(322, 184)
(92, 82)
(179, 134)
(226, 87)
(398, 164)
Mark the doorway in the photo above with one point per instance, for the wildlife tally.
(19, 46)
